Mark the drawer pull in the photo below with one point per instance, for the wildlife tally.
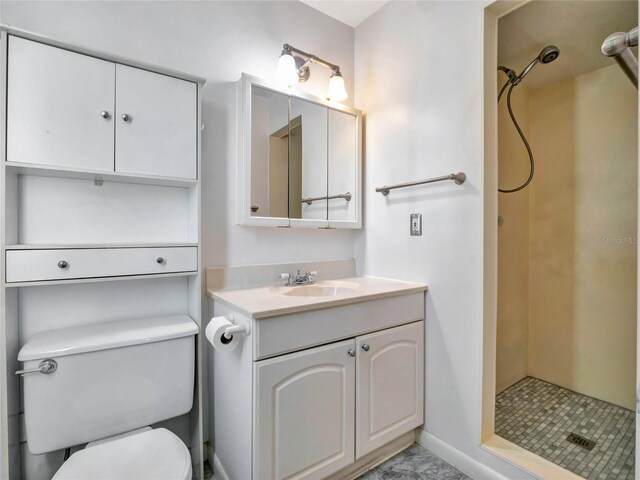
(63, 264)
(160, 260)
(365, 347)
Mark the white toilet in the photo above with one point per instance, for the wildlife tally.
(111, 381)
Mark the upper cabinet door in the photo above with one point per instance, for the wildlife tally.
(389, 390)
(344, 169)
(60, 107)
(307, 164)
(156, 124)
(268, 168)
(304, 413)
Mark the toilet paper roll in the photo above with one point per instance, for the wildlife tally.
(215, 334)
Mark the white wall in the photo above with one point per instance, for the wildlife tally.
(419, 81)
(218, 41)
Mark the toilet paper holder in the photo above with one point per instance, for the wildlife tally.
(236, 328)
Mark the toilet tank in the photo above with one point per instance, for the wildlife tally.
(111, 378)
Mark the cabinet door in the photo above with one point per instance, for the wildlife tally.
(389, 390)
(59, 107)
(343, 170)
(304, 413)
(156, 131)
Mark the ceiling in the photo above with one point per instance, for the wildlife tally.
(351, 12)
(577, 27)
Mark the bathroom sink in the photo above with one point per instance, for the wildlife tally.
(326, 289)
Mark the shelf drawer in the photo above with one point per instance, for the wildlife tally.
(67, 264)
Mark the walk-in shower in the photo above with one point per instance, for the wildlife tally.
(547, 55)
(567, 289)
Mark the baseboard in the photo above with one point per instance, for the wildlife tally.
(218, 470)
(455, 457)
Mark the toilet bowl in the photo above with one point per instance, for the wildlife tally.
(144, 454)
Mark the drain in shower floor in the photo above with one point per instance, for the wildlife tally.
(581, 441)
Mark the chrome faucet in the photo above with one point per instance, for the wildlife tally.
(297, 279)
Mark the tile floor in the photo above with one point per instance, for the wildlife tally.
(539, 416)
(414, 463)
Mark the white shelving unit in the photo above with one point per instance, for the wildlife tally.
(52, 206)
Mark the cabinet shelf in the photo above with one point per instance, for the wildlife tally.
(76, 173)
(99, 279)
(58, 246)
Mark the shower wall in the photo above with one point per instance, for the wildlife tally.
(513, 243)
(582, 239)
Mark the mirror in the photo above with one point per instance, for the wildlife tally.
(342, 169)
(269, 153)
(300, 160)
(307, 160)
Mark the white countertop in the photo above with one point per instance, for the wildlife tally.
(263, 302)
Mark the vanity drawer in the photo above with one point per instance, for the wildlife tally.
(297, 331)
(67, 264)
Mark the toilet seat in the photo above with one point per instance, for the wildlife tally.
(150, 455)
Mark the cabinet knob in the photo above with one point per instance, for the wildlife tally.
(63, 264)
(105, 114)
(351, 352)
(126, 117)
(160, 260)
(366, 347)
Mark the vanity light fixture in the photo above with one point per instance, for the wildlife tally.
(293, 69)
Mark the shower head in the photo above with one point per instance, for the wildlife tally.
(547, 55)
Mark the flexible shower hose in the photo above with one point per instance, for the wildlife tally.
(524, 139)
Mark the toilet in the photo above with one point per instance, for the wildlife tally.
(111, 382)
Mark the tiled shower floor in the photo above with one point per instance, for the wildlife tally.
(539, 416)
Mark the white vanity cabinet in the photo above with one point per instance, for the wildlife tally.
(307, 403)
(70, 110)
(317, 390)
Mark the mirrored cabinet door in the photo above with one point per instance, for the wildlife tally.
(269, 153)
(299, 159)
(307, 162)
(343, 168)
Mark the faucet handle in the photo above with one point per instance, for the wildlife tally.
(284, 276)
(313, 273)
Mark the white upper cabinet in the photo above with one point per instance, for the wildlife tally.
(299, 159)
(75, 111)
(156, 117)
(60, 107)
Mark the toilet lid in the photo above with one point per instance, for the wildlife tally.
(151, 455)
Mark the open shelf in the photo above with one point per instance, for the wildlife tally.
(75, 173)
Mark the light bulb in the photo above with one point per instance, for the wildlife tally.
(337, 91)
(287, 72)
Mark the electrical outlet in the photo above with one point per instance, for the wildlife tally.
(416, 224)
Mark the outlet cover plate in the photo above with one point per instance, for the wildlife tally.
(416, 224)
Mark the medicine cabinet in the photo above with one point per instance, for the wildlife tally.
(300, 160)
